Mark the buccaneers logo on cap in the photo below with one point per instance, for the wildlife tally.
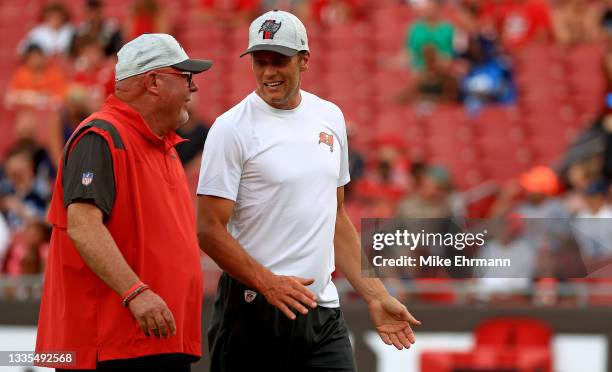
(269, 28)
(327, 139)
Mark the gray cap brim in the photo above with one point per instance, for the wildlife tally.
(193, 65)
(271, 48)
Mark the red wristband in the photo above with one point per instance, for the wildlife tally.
(132, 289)
(132, 295)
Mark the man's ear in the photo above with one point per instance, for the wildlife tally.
(150, 82)
(304, 58)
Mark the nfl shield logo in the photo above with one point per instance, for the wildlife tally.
(249, 295)
(87, 178)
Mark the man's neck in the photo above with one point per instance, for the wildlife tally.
(150, 117)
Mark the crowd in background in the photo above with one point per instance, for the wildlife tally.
(458, 52)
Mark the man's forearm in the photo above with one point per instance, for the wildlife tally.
(99, 251)
(231, 256)
(348, 259)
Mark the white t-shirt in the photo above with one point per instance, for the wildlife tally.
(51, 41)
(282, 168)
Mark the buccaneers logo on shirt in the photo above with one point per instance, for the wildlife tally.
(327, 139)
(269, 28)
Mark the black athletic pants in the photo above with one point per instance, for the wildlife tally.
(249, 334)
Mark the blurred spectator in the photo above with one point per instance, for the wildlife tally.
(389, 178)
(229, 13)
(587, 147)
(434, 83)
(519, 22)
(356, 164)
(431, 199)
(489, 79)
(27, 125)
(468, 26)
(54, 34)
(546, 218)
(541, 185)
(536, 191)
(505, 283)
(92, 71)
(76, 108)
(429, 30)
(195, 132)
(95, 26)
(580, 175)
(36, 83)
(21, 199)
(592, 225)
(146, 17)
(28, 253)
(575, 22)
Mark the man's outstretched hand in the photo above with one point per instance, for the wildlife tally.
(393, 322)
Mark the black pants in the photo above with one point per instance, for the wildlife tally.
(151, 363)
(249, 334)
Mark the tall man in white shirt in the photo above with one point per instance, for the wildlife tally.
(271, 214)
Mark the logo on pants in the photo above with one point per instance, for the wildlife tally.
(249, 295)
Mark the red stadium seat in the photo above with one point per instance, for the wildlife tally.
(502, 344)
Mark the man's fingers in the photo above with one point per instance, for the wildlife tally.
(307, 292)
(395, 341)
(304, 281)
(144, 327)
(282, 307)
(306, 300)
(150, 325)
(409, 318)
(385, 338)
(403, 339)
(167, 314)
(409, 335)
(296, 305)
(412, 320)
(161, 326)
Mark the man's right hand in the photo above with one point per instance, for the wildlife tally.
(153, 314)
(289, 292)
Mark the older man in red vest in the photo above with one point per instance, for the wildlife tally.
(123, 284)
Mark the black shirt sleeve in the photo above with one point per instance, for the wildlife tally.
(88, 175)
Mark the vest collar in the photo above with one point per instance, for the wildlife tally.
(128, 115)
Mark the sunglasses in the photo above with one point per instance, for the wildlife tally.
(189, 75)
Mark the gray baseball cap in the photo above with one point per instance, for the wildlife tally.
(279, 32)
(151, 51)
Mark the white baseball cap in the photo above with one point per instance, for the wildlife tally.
(279, 32)
(151, 51)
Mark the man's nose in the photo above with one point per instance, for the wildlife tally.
(193, 87)
(269, 71)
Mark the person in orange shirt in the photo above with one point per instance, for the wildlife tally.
(36, 83)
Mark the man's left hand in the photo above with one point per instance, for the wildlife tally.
(393, 322)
